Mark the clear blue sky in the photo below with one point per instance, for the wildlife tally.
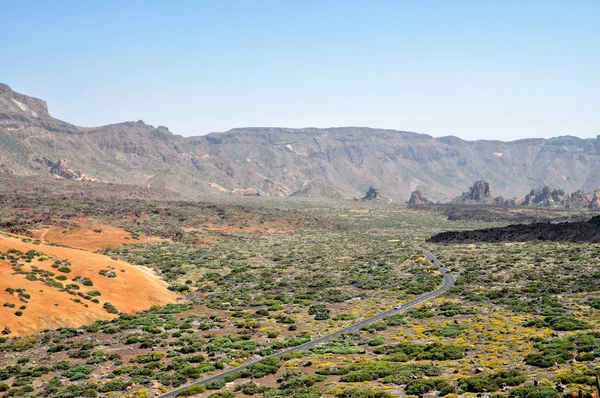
(476, 69)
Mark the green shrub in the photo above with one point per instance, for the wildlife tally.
(360, 393)
(215, 385)
(147, 358)
(222, 394)
(531, 391)
(111, 309)
(491, 382)
(191, 391)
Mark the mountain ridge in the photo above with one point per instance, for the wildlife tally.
(280, 161)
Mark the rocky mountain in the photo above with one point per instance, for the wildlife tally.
(281, 161)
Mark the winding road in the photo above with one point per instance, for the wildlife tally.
(444, 287)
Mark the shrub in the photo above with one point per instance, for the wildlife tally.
(191, 391)
(215, 385)
(531, 391)
(359, 393)
(562, 323)
(146, 358)
(222, 394)
(491, 382)
(111, 309)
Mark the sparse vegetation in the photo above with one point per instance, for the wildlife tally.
(519, 311)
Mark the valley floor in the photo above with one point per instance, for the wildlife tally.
(249, 278)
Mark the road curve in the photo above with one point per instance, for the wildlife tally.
(444, 287)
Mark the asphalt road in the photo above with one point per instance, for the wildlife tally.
(448, 283)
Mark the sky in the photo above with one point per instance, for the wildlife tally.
(475, 69)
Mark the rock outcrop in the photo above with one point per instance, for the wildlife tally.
(417, 199)
(61, 169)
(546, 197)
(374, 195)
(594, 203)
(558, 198)
(245, 192)
(19, 103)
(479, 193)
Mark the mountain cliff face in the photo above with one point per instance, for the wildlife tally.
(281, 161)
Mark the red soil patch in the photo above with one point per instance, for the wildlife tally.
(90, 235)
(133, 290)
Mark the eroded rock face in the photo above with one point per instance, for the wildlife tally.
(21, 103)
(61, 169)
(546, 197)
(594, 203)
(578, 200)
(479, 193)
(279, 161)
(417, 198)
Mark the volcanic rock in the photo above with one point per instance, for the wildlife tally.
(417, 198)
(479, 193)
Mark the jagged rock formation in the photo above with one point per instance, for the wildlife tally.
(417, 198)
(578, 200)
(594, 201)
(479, 193)
(546, 197)
(280, 161)
(558, 198)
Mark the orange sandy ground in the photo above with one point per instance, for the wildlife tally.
(134, 290)
(84, 237)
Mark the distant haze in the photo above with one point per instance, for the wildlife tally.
(475, 69)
